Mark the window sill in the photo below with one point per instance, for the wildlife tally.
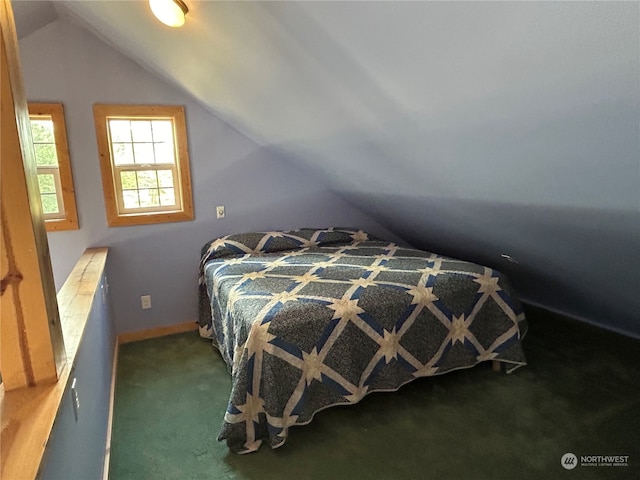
(61, 225)
(129, 219)
(27, 414)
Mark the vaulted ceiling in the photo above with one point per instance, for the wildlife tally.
(473, 127)
(394, 81)
(373, 92)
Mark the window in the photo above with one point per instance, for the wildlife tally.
(145, 163)
(49, 136)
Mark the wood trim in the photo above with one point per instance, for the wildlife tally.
(176, 113)
(76, 295)
(27, 419)
(28, 413)
(56, 112)
(108, 188)
(112, 397)
(148, 218)
(32, 350)
(157, 332)
(183, 163)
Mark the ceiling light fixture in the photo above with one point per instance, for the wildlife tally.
(169, 12)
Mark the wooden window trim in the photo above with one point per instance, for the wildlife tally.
(115, 218)
(70, 219)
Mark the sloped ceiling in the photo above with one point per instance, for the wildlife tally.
(476, 128)
(393, 79)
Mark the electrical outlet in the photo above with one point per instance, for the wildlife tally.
(145, 301)
(220, 211)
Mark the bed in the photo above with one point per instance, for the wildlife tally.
(313, 318)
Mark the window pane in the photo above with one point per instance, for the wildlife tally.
(164, 153)
(42, 131)
(141, 130)
(147, 179)
(130, 198)
(122, 154)
(46, 155)
(165, 178)
(120, 130)
(162, 130)
(47, 183)
(49, 203)
(143, 153)
(149, 197)
(128, 180)
(167, 196)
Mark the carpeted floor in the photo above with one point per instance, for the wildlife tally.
(580, 393)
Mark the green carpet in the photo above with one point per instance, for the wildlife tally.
(580, 393)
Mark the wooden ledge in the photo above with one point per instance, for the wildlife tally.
(27, 414)
(76, 297)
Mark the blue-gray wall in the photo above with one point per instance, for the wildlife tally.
(468, 128)
(75, 450)
(500, 127)
(260, 190)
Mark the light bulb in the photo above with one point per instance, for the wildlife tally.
(169, 12)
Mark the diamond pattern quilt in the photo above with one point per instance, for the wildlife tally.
(313, 318)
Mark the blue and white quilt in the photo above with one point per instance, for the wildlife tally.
(310, 318)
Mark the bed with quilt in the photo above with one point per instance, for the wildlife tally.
(313, 318)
